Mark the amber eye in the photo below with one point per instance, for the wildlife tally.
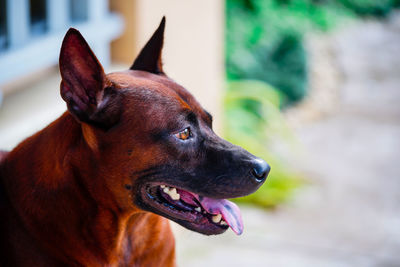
(184, 135)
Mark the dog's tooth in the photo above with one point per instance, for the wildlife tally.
(175, 196)
(162, 186)
(222, 222)
(216, 218)
(172, 193)
(173, 190)
(198, 209)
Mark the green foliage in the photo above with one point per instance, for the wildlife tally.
(264, 38)
(247, 105)
(376, 8)
(282, 64)
(264, 43)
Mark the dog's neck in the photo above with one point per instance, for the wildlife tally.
(76, 212)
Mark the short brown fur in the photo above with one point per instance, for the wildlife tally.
(69, 193)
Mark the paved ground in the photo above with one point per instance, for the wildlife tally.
(350, 214)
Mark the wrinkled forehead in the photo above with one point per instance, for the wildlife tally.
(157, 88)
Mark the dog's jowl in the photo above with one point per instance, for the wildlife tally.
(97, 186)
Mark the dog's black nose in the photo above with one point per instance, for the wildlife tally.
(260, 170)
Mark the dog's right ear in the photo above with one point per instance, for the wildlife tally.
(149, 58)
(84, 87)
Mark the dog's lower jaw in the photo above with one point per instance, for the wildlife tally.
(67, 226)
(195, 212)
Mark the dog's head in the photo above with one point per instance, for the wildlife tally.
(153, 143)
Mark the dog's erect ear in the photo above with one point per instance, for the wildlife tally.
(149, 58)
(84, 86)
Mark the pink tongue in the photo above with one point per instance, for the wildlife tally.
(229, 211)
(187, 197)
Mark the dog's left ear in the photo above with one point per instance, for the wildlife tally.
(149, 58)
(84, 87)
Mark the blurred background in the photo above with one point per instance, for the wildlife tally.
(312, 86)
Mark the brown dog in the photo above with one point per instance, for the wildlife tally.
(89, 189)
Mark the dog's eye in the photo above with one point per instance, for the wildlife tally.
(184, 135)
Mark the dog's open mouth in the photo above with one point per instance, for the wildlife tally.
(196, 212)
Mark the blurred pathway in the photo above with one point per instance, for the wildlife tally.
(350, 214)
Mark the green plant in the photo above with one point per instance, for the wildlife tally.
(247, 105)
(376, 8)
(264, 38)
(264, 42)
